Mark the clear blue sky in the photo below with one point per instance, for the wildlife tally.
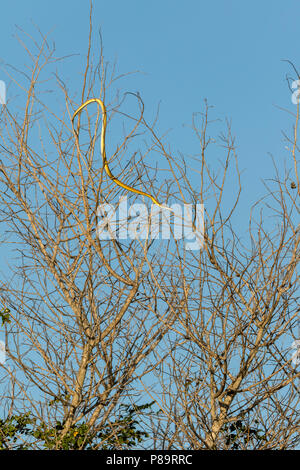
(226, 51)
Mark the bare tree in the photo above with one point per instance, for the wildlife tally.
(96, 324)
(81, 325)
(229, 381)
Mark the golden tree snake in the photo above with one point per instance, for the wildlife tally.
(104, 159)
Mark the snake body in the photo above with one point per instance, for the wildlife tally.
(103, 152)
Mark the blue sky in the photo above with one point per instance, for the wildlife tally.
(226, 51)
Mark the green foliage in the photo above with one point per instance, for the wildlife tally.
(78, 437)
(13, 430)
(123, 433)
(5, 316)
(23, 433)
(240, 435)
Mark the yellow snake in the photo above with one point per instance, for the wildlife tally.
(105, 164)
